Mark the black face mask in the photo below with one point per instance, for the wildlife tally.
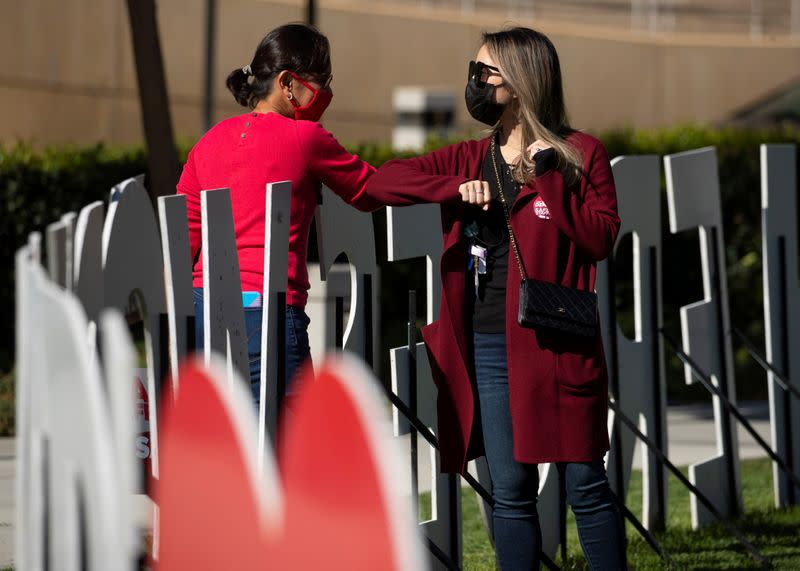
(478, 96)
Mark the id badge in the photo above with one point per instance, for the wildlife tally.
(479, 256)
(478, 251)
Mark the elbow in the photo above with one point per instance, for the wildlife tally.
(371, 198)
(365, 203)
(368, 197)
(384, 188)
(601, 250)
(375, 191)
(602, 245)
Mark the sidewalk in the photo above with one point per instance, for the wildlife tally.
(691, 435)
(691, 439)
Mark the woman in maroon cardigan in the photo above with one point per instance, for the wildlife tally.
(533, 395)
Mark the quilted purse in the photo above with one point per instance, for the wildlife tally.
(545, 304)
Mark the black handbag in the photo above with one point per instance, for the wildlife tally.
(545, 304)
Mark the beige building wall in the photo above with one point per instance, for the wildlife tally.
(67, 71)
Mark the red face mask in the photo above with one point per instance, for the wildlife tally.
(314, 109)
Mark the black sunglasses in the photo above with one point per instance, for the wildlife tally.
(476, 72)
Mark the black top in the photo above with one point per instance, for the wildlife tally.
(488, 314)
(489, 306)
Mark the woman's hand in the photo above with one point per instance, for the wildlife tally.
(538, 145)
(476, 192)
(544, 155)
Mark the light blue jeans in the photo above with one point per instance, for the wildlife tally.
(515, 486)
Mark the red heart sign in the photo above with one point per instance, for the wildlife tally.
(336, 509)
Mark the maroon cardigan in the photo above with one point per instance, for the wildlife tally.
(558, 385)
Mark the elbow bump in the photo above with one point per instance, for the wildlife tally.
(598, 247)
(604, 248)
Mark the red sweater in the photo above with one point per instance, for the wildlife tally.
(247, 152)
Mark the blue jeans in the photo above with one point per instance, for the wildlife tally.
(297, 346)
(515, 486)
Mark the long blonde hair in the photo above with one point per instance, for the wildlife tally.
(529, 64)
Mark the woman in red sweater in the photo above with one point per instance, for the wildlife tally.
(287, 89)
(534, 394)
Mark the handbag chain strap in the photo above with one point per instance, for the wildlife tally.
(505, 212)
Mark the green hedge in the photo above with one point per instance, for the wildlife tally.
(37, 187)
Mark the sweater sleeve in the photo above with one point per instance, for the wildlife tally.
(431, 178)
(342, 172)
(189, 186)
(589, 216)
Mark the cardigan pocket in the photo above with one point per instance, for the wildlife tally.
(578, 375)
(580, 368)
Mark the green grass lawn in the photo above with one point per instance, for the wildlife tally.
(776, 533)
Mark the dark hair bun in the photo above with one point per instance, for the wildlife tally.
(238, 85)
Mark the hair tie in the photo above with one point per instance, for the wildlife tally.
(247, 70)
